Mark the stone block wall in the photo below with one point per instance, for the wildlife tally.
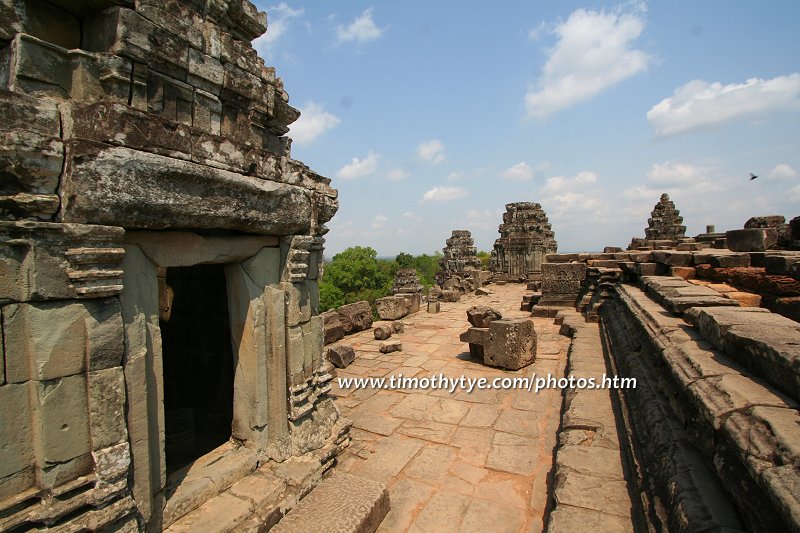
(143, 136)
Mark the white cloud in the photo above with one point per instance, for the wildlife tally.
(362, 29)
(412, 216)
(674, 174)
(701, 105)
(480, 220)
(358, 168)
(432, 151)
(594, 51)
(313, 122)
(534, 34)
(782, 171)
(454, 176)
(560, 184)
(443, 194)
(379, 221)
(519, 172)
(278, 18)
(397, 174)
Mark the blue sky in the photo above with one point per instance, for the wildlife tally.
(431, 116)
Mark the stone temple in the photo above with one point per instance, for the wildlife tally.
(159, 255)
(161, 346)
(525, 239)
(459, 257)
(664, 227)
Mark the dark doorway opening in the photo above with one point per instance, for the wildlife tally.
(198, 361)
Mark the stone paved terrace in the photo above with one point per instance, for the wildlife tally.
(455, 462)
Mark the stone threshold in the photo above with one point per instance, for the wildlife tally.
(260, 497)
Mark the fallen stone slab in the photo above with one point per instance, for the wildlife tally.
(342, 503)
(434, 307)
(391, 307)
(481, 316)
(389, 347)
(355, 317)
(383, 331)
(482, 292)
(340, 355)
(332, 326)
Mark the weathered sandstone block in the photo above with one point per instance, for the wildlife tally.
(391, 307)
(512, 343)
(481, 316)
(383, 331)
(392, 346)
(355, 317)
(340, 355)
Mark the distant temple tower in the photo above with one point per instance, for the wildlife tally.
(459, 257)
(525, 239)
(664, 227)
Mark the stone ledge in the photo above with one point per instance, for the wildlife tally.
(731, 423)
(763, 342)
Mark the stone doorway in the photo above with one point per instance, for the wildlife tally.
(198, 361)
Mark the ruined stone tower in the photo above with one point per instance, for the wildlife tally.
(459, 257)
(406, 281)
(664, 227)
(525, 239)
(159, 256)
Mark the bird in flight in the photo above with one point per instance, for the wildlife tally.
(752, 176)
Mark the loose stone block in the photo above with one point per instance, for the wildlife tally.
(481, 316)
(434, 307)
(340, 355)
(391, 307)
(512, 343)
(355, 317)
(398, 326)
(413, 301)
(332, 326)
(388, 347)
(751, 240)
(383, 331)
(477, 339)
